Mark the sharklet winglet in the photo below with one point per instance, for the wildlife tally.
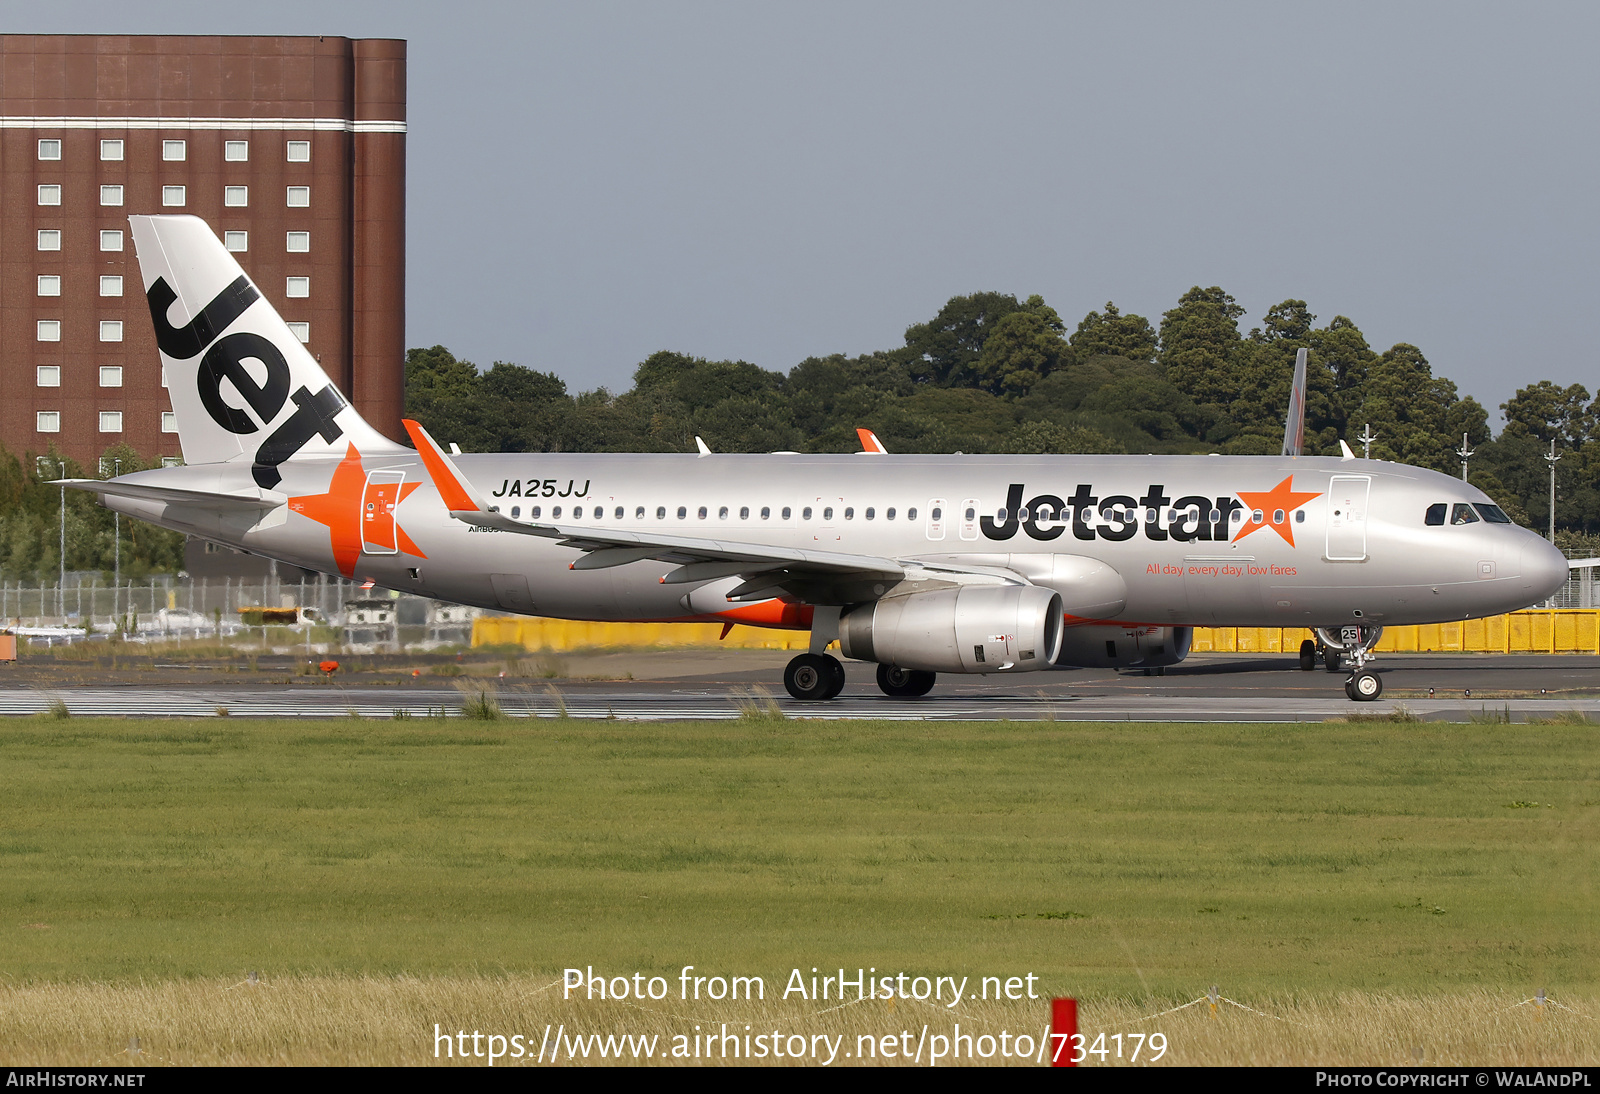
(870, 445)
(454, 490)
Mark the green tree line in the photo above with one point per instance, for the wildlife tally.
(987, 373)
(31, 522)
(991, 373)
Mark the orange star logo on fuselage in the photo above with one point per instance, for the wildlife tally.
(341, 510)
(1284, 497)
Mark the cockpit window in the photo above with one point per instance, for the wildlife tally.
(1435, 517)
(1463, 514)
(1493, 513)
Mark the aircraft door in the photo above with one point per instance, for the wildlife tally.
(969, 518)
(1347, 518)
(937, 515)
(378, 500)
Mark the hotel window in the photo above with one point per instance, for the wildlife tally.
(110, 150)
(174, 150)
(169, 422)
(299, 197)
(49, 284)
(50, 149)
(49, 330)
(111, 195)
(298, 242)
(110, 239)
(298, 286)
(50, 193)
(172, 195)
(236, 241)
(236, 195)
(236, 151)
(110, 375)
(110, 330)
(111, 421)
(299, 151)
(50, 239)
(110, 284)
(301, 331)
(48, 376)
(47, 421)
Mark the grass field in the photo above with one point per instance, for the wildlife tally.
(1308, 870)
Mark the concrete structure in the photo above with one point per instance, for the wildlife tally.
(293, 149)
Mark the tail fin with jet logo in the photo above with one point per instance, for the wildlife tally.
(243, 387)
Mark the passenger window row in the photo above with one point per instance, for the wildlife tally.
(1044, 513)
(620, 512)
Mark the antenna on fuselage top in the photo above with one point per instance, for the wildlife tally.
(1294, 429)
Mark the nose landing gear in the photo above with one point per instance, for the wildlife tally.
(1352, 649)
(1364, 686)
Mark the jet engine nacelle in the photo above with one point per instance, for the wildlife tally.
(1101, 647)
(973, 628)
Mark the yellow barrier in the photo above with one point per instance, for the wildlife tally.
(535, 633)
(1537, 630)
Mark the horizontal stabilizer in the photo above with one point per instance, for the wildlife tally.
(172, 495)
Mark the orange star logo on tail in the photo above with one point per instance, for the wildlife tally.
(1284, 497)
(341, 509)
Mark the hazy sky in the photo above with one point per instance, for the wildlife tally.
(592, 182)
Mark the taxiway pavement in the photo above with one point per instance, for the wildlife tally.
(725, 683)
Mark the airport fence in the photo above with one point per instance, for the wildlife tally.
(167, 606)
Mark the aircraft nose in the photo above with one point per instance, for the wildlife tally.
(1543, 569)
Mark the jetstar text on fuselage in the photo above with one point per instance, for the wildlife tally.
(1155, 514)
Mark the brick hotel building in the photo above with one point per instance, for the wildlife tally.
(292, 149)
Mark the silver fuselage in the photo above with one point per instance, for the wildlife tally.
(1360, 548)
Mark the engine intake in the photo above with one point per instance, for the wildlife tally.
(973, 628)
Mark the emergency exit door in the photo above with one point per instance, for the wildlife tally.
(378, 500)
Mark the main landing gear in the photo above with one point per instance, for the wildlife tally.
(904, 683)
(814, 676)
(1351, 649)
(818, 676)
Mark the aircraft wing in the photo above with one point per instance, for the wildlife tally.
(173, 495)
(825, 576)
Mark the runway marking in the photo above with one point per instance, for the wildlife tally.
(379, 703)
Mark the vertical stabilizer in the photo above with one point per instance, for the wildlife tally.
(1294, 429)
(242, 385)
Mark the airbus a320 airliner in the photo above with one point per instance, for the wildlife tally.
(919, 564)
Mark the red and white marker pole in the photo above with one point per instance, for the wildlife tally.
(1063, 1027)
